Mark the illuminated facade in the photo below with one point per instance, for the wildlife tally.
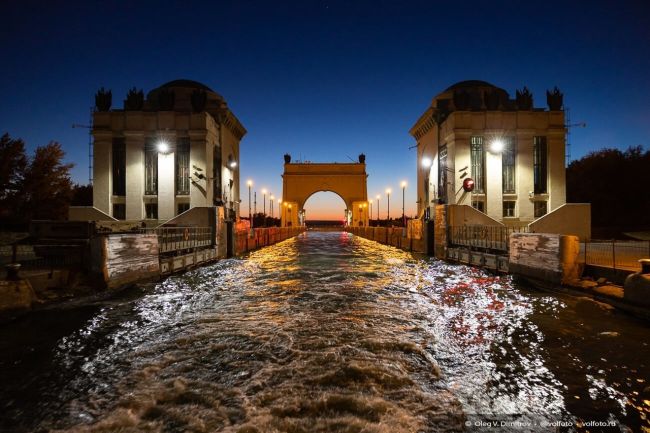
(161, 155)
(301, 180)
(477, 146)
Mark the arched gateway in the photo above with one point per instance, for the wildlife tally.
(301, 180)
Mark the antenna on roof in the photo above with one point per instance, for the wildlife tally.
(568, 125)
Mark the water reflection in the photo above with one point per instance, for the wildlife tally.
(329, 332)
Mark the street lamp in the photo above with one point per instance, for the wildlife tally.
(271, 203)
(162, 146)
(250, 217)
(388, 197)
(403, 196)
(378, 208)
(264, 200)
(496, 146)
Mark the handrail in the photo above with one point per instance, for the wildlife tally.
(172, 239)
(483, 237)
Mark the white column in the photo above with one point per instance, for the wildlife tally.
(134, 177)
(102, 150)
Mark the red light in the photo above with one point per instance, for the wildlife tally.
(468, 185)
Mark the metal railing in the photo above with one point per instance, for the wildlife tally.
(483, 237)
(624, 255)
(172, 239)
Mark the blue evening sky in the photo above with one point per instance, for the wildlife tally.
(324, 80)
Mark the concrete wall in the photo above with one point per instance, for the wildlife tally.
(460, 215)
(568, 219)
(123, 259)
(394, 236)
(545, 257)
(230, 147)
(440, 241)
(87, 213)
(250, 240)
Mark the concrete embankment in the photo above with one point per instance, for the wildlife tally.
(119, 260)
(546, 261)
(409, 238)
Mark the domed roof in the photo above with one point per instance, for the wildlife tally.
(191, 84)
(469, 84)
(181, 99)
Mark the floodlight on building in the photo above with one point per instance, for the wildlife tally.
(162, 147)
(231, 162)
(496, 146)
(426, 162)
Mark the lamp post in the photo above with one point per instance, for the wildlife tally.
(378, 208)
(264, 199)
(388, 197)
(403, 197)
(250, 217)
(264, 204)
(271, 203)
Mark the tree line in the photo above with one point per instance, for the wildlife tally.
(37, 186)
(616, 183)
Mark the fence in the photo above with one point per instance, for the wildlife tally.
(624, 255)
(171, 239)
(483, 237)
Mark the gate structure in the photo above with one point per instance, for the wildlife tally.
(301, 180)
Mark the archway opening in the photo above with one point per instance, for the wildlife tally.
(325, 208)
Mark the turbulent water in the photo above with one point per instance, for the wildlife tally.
(327, 332)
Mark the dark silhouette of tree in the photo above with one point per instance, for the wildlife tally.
(616, 184)
(46, 189)
(82, 195)
(13, 162)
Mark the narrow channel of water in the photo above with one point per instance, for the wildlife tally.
(326, 332)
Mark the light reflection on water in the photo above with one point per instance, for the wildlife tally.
(329, 332)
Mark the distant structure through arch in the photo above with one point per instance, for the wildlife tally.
(301, 180)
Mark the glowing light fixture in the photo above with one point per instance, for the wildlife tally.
(426, 162)
(249, 183)
(496, 146)
(403, 184)
(162, 146)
